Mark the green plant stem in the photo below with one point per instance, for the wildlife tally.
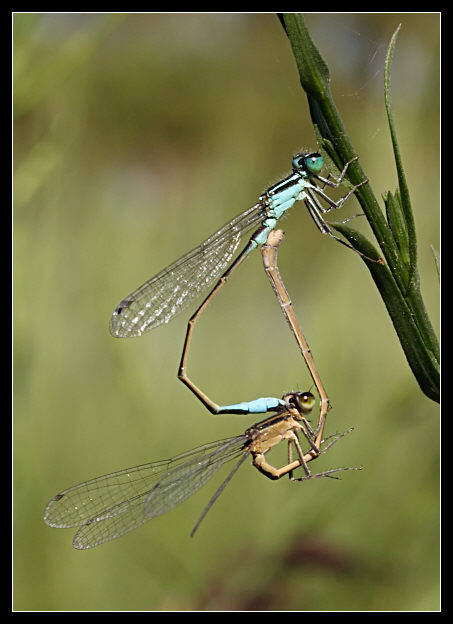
(398, 281)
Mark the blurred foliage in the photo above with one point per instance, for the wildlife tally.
(135, 137)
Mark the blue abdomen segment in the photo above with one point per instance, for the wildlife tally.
(257, 406)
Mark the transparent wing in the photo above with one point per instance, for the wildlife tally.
(181, 482)
(170, 291)
(107, 507)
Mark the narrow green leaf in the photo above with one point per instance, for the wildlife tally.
(397, 223)
(403, 187)
(313, 71)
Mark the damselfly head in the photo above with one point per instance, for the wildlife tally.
(311, 162)
(304, 402)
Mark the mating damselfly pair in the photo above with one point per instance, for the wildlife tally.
(107, 507)
(169, 292)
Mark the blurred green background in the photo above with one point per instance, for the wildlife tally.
(137, 136)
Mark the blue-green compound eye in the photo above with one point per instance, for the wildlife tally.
(314, 163)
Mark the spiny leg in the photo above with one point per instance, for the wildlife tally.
(300, 454)
(260, 462)
(273, 473)
(330, 202)
(316, 209)
(330, 472)
(335, 182)
(270, 471)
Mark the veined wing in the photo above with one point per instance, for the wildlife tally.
(107, 507)
(166, 294)
(181, 482)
